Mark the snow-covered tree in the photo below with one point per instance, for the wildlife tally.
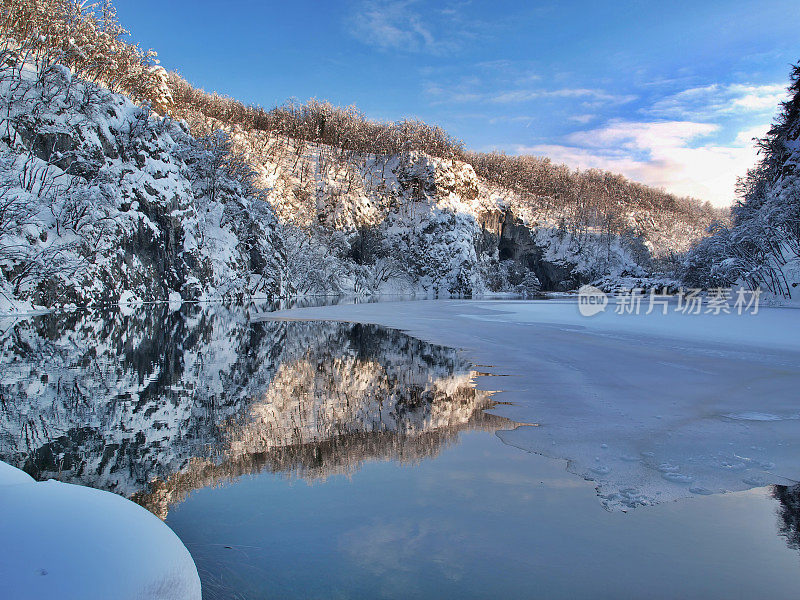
(762, 247)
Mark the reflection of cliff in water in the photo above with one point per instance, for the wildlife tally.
(156, 403)
(342, 454)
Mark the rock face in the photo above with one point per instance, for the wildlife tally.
(505, 235)
(427, 220)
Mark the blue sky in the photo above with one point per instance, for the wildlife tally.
(669, 93)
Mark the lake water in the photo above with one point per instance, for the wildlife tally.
(332, 460)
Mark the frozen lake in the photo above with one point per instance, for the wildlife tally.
(651, 407)
(339, 457)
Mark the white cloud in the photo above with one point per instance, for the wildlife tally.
(525, 120)
(474, 91)
(746, 136)
(633, 136)
(698, 144)
(528, 95)
(758, 98)
(714, 101)
(582, 119)
(398, 25)
(662, 154)
(499, 84)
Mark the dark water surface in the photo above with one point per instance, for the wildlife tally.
(332, 460)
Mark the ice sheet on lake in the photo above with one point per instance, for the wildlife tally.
(651, 407)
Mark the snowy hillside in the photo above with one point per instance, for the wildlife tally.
(102, 198)
(171, 191)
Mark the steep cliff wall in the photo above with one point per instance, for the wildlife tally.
(100, 199)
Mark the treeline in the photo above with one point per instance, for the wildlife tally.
(761, 247)
(593, 197)
(318, 122)
(86, 38)
(91, 42)
(539, 176)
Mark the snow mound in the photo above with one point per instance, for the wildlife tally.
(76, 542)
(13, 476)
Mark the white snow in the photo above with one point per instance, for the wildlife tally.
(13, 476)
(71, 542)
(175, 301)
(128, 298)
(85, 228)
(651, 407)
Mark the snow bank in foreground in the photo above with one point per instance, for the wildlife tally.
(651, 407)
(67, 541)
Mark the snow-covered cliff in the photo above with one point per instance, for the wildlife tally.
(416, 223)
(103, 200)
(100, 199)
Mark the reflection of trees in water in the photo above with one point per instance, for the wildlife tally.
(788, 513)
(156, 403)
